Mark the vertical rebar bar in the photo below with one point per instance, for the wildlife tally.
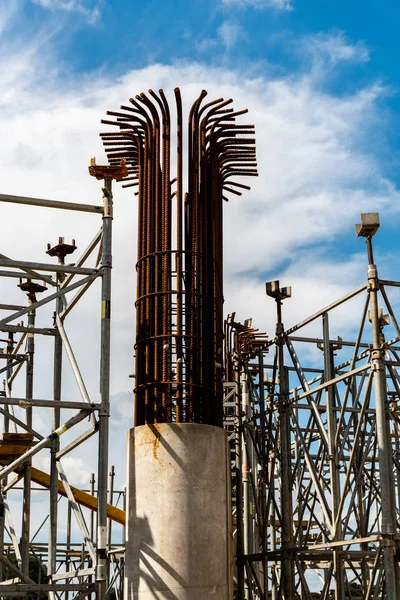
(179, 333)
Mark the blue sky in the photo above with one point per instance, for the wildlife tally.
(322, 84)
(117, 34)
(357, 43)
(321, 81)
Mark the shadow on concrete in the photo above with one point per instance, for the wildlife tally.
(162, 441)
(142, 564)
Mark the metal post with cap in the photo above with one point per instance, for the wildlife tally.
(60, 250)
(31, 288)
(107, 174)
(367, 228)
(287, 579)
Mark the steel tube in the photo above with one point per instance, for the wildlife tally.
(333, 458)
(104, 412)
(55, 445)
(287, 576)
(28, 270)
(44, 442)
(30, 403)
(72, 360)
(26, 502)
(20, 264)
(245, 474)
(51, 203)
(48, 299)
(321, 312)
(388, 525)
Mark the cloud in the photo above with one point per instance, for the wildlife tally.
(332, 48)
(76, 469)
(230, 33)
(279, 5)
(317, 173)
(9, 11)
(315, 284)
(91, 13)
(206, 44)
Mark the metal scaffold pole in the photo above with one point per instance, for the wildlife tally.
(104, 412)
(334, 471)
(285, 451)
(329, 435)
(385, 451)
(75, 567)
(26, 514)
(61, 250)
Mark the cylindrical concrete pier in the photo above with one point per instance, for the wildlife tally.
(179, 531)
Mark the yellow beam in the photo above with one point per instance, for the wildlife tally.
(82, 498)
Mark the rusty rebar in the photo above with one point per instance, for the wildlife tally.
(179, 320)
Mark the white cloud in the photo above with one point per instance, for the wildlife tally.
(9, 10)
(283, 5)
(315, 284)
(206, 44)
(230, 33)
(317, 173)
(76, 469)
(315, 177)
(92, 13)
(332, 48)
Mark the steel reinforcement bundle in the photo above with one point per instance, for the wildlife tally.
(179, 305)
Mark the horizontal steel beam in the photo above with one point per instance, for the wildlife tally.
(88, 208)
(23, 329)
(24, 403)
(319, 313)
(334, 381)
(48, 299)
(48, 267)
(73, 574)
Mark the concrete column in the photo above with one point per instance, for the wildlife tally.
(179, 530)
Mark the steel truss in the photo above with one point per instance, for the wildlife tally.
(315, 450)
(75, 567)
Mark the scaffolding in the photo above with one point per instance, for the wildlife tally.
(314, 430)
(81, 560)
(313, 423)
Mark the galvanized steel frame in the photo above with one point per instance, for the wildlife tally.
(316, 474)
(89, 572)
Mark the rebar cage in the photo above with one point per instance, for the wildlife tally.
(179, 306)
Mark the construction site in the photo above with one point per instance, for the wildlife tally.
(262, 465)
